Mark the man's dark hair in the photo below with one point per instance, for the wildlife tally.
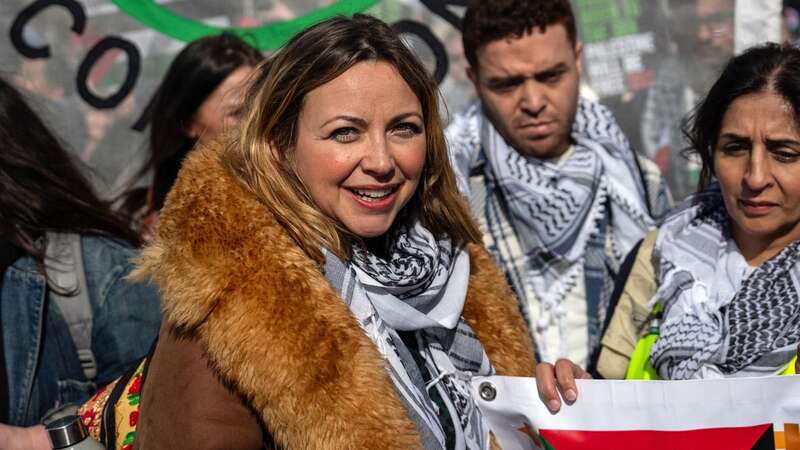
(490, 20)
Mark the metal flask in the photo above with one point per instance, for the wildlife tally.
(69, 433)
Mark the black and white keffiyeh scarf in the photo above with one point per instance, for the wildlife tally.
(593, 123)
(721, 317)
(559, 208)
(421, 288)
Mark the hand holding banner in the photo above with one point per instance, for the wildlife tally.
(730, 414)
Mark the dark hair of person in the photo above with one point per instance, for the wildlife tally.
(489, 21)
(192, 76)
(261, 154)
(770, 67)
(41, 188)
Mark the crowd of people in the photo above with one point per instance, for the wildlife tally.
(320, 263)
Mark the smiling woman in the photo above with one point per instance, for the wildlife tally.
(361, 147)
(715, 291)
(323, 283)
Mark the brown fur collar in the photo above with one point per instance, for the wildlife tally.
(276, 332)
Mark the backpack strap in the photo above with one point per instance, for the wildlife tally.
(66, 279)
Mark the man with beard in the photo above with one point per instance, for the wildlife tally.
(559, 195)
(703, 36)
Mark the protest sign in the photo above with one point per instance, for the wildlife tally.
(730, 414)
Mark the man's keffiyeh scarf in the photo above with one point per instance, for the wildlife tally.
(420, 288)
(573, 218)
(721, 318)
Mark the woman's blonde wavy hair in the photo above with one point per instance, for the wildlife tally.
(260, 156)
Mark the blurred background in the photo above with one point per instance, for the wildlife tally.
(92, 66)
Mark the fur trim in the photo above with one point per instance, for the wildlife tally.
(275, 331)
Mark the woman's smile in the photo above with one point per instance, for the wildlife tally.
(375, 198)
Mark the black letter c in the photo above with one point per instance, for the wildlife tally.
(78, 25)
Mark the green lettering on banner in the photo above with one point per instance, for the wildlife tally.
(601, 20)
(265, 37)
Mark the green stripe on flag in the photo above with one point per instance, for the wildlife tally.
(546, 444)
(265, 37)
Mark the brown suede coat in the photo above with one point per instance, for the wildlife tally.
(258, 350)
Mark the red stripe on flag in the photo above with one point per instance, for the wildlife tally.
(737, 438)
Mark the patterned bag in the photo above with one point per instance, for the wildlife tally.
(112, 413)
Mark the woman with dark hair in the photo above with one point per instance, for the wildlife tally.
(199, 97)
(715, 291)
(63, 261)
(324, 286)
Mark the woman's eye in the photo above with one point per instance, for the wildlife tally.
(344, 135)
(407, 129)
(234, 113)
(733, 148)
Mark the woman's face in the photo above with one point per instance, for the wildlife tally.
(360, 147)
(218, 111)
(757, 163)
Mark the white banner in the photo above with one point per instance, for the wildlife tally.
(732, 414)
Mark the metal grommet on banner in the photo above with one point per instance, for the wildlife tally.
(488, 391)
